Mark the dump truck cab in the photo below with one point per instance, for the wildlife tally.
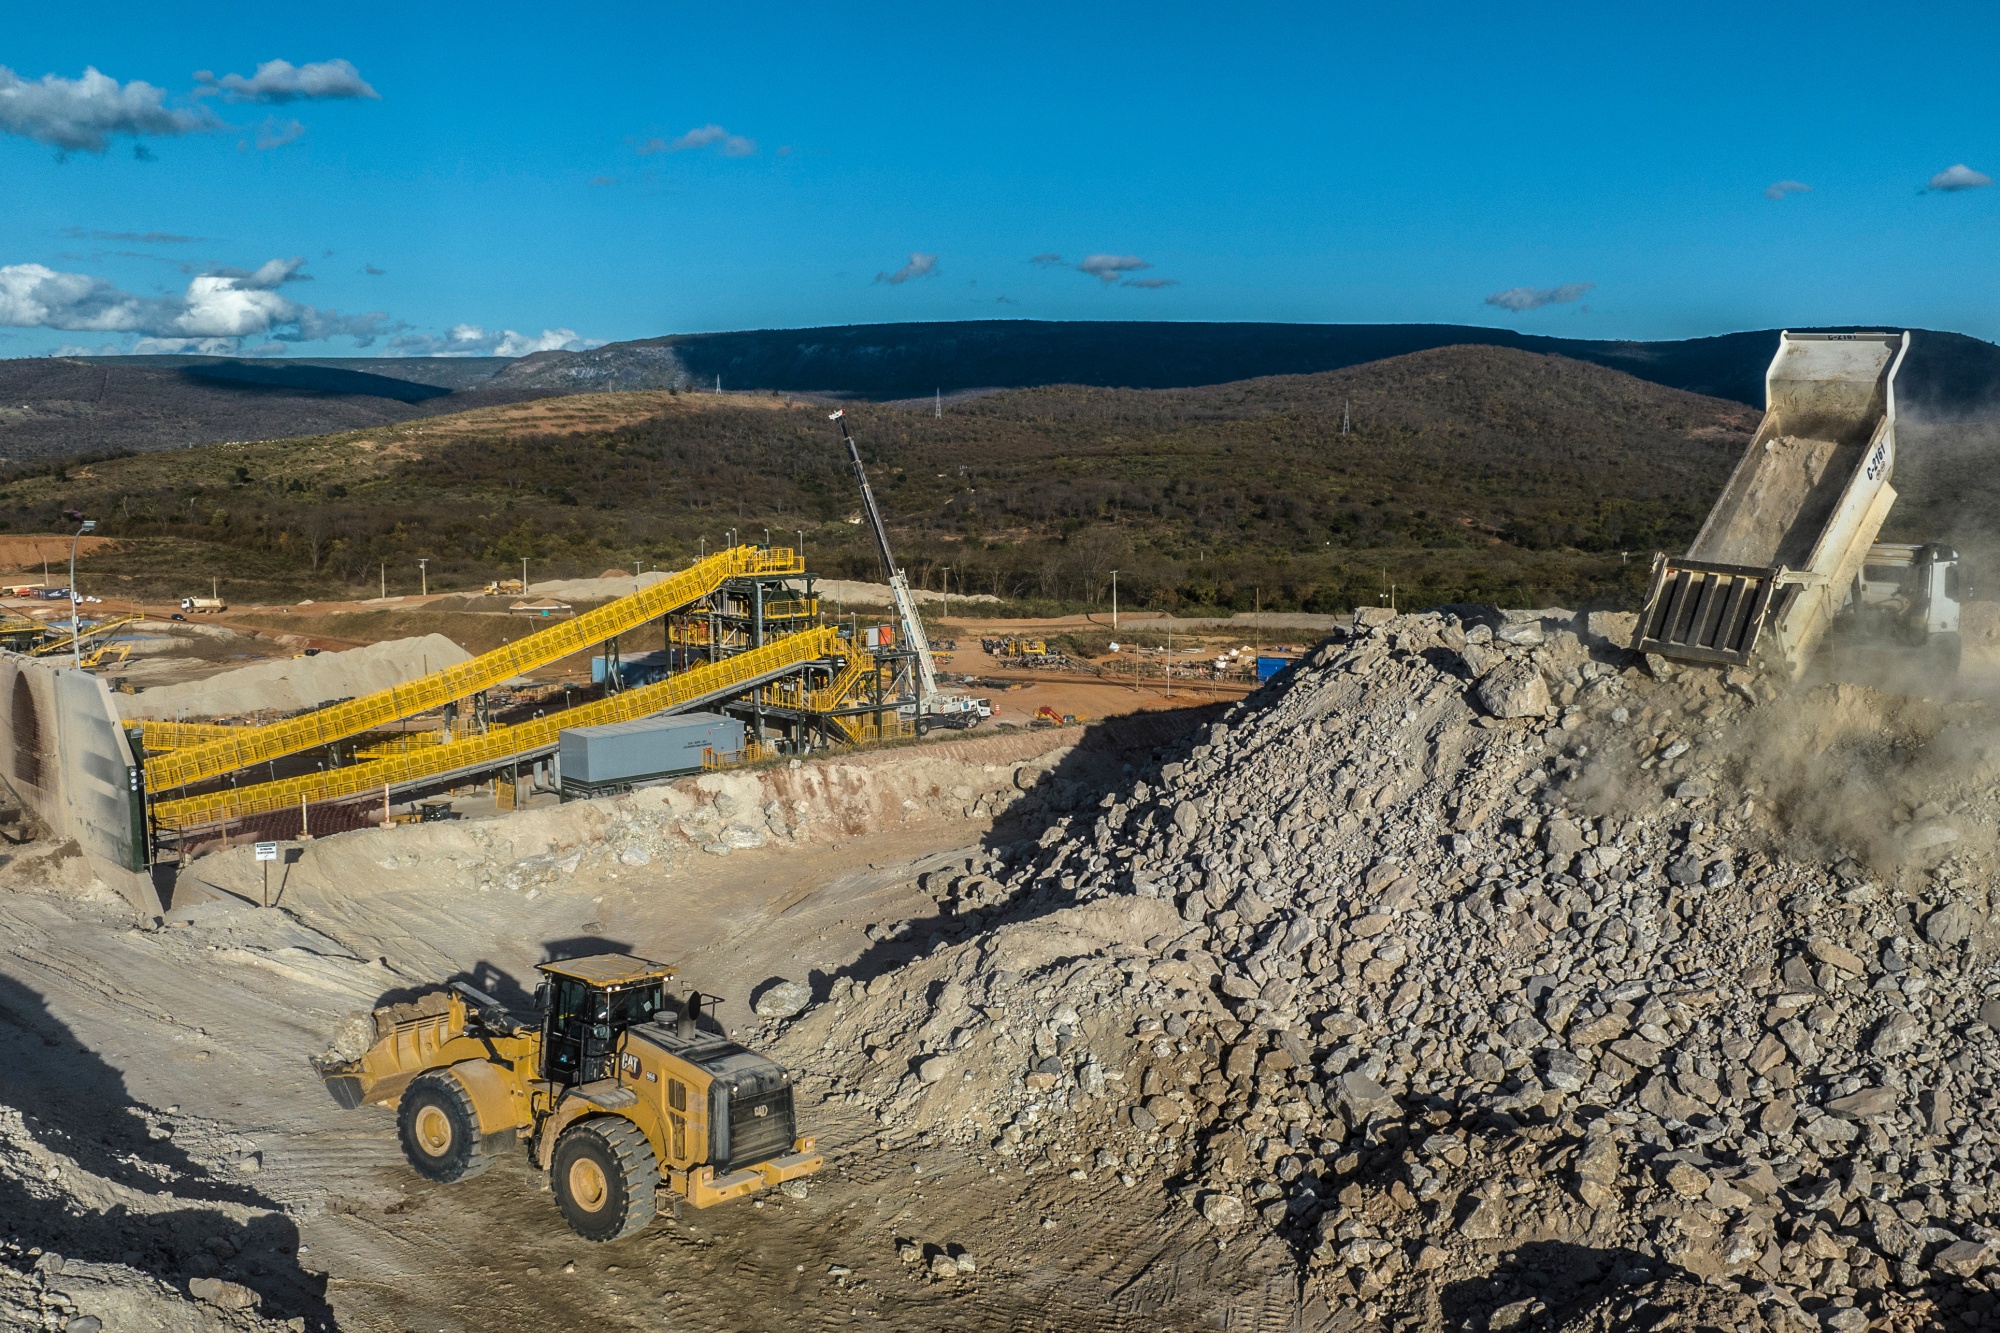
(1912, 590)
(618, 1091)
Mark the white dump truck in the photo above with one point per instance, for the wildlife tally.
(1791, 543)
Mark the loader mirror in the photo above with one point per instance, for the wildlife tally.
(541, 997)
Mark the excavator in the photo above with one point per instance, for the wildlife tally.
(618, 1092)
(1789, 549)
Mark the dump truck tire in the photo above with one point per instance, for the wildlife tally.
(439, 1127)
(606, 1178)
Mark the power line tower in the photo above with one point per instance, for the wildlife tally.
(939, 413)
(1346, 421)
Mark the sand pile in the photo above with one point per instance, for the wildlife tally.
(296, 683)
(1504, 979)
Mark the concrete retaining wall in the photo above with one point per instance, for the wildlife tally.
(64, 756)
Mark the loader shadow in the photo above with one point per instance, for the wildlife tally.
(1555, 1278)
(73, 1104)
(1111, 758)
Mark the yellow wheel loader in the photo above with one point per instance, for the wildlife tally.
(617, 1093)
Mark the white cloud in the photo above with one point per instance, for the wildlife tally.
(920, 266)
(1110, 268)
(180, 347)
(278, 81)
(1150, 283)
(1779, 189)
(81, 115)
(143, 237)
(1958, 177)
(217, 310)
(1048, 260)
(1534, 298)
(733, 145)
(274, 133)
(472, 340)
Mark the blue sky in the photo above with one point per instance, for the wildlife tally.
(533, 176)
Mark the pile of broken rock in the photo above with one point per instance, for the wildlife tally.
(1478, 961)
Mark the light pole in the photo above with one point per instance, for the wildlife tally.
(424, 575)
(802, 545)
(524, 576)
(947, 592)
(1114, 599)
(83, 525)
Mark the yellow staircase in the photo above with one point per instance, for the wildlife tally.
(245, 746)
(732, 675)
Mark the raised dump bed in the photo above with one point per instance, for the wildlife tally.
(1779, 550)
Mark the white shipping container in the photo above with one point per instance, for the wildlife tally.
(647, 748)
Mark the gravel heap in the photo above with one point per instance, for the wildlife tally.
(296, 683)
(82, 1252)
(1509, 979)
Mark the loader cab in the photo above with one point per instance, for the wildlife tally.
(587, 1004)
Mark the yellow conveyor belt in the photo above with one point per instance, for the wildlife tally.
(246, 746)
(731, 675)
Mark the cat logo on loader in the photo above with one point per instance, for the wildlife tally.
(617, 1093)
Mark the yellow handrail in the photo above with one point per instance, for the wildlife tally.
(255, 745)
(499, 743)
(87, 633)
(179, 735)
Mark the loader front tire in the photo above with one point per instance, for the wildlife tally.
(439, 1127)
(606, 1178)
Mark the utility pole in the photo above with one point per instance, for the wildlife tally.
(947, 592)
(1114, 599)
(423, 573)
(524, 576)
(940, 404)
(385, 580)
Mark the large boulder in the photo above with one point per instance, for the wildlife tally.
(1513, 690)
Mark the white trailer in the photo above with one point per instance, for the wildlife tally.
(1781, 550)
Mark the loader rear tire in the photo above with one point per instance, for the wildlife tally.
(439, 1127)
(606, 1178)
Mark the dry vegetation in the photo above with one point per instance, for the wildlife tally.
(1471, 474)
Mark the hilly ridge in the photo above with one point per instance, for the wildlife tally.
(98, 405)
(1945, 372)
(1472, 473)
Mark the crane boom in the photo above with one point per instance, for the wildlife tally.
(899, 586)
(949, 710)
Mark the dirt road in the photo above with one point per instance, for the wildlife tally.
(184, 1049)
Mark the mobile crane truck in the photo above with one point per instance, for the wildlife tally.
(618, 1093)
(959, 712)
